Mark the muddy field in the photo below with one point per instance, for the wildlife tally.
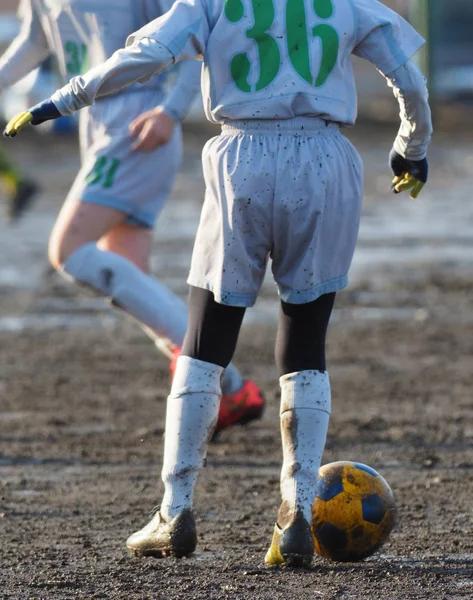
(83, 391)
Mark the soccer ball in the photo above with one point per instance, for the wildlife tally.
(354, 511)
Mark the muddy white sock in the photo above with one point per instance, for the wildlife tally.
(191, 416)
(304, 415)
(142, 297)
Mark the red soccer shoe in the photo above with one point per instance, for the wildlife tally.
(241, 407)
(176, 353)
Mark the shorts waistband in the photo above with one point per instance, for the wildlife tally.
(296, 126)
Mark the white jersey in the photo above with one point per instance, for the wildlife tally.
(82, 34)
(274, 59)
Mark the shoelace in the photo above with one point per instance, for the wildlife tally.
(154, 510)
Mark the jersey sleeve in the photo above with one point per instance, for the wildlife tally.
(138, 62)
(410, 89)
(384, 38)
(28, 49)
(184, 30)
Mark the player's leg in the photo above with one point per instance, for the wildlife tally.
(214, 322)
(304, 414)
(191, 417)
(242, 401)
(316, 217)
(74, 250)
(133, 243)
(18, 189)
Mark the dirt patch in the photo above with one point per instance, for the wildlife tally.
(81, 432)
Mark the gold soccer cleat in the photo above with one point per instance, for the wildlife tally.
(159, 538)
(292, 544)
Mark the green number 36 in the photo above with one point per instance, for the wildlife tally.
(297, 42)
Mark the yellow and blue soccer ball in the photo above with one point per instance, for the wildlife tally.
(354, 511)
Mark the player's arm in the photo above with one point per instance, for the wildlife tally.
(135, 63)
(155, 127)
(386, 40)
(408, 158)
(27, 51)
(181, 33)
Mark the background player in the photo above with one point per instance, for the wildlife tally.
(281, 182)
(18, 189)
(109, 214)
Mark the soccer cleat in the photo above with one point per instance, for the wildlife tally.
(21, 199)
(238, 408)
(160, 538)
(176, 353)
(292, 545)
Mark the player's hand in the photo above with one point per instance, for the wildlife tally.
(152, 129)
(45, 111)
(17, 123)
(409, 175)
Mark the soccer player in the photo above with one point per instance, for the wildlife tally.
(131, 148)
(18, 189)
(282, 182)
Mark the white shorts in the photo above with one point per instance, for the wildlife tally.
(290, 190)
(136, 183)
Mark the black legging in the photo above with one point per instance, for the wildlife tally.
(213, 329)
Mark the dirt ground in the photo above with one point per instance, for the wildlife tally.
(82, 411)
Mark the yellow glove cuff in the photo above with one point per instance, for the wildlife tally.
(17, 123)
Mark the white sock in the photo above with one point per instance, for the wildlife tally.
(232, 380)
(305, 413)
(191, 416)
(142, 297)
(161, 313)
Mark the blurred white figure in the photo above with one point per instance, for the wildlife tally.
(131, 147)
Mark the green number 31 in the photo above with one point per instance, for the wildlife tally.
(297, 42)
(104, 172)
(77, 54)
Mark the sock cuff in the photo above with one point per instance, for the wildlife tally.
(105, 272)
(73, 264)
(193, 376)
(305, 390)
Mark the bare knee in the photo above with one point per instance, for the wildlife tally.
(79, 223)
(63, 243)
